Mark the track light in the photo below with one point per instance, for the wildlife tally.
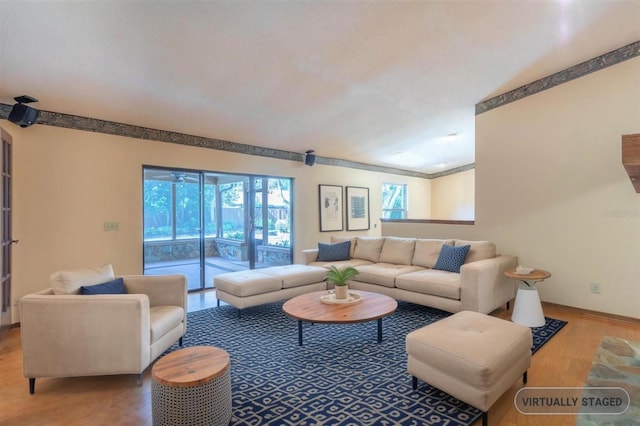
(310, 158)
(21, 114)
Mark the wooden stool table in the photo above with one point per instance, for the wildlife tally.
(192, 386)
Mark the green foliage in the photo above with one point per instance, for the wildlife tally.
(339, 277)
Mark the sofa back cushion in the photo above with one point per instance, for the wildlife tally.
(397, 250)
(336, 239)
(427, 251)
(479, 250)
(69, 282)
(368, 248)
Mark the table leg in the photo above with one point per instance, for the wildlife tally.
(527, 309)
(379, 330)
(300, 332)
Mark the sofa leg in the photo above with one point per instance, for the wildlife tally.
(524, 378)
(32, 385)
(414, 383)
(180, 342)
(218, 303)
(139, 379)
(485, 418)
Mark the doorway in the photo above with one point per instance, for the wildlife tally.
(202, 223)
(6, 155)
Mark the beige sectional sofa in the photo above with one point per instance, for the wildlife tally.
(403, 268)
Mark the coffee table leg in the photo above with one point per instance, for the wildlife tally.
(379, 330)
(300, 332)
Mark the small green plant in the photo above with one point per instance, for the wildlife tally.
(339, 277)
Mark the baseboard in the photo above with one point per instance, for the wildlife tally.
(588, 312)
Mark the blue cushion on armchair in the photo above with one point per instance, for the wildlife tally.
(112, 287)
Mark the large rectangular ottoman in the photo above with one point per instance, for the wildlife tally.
(254, 287)
(472, 356)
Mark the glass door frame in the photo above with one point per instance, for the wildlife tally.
(248, 197)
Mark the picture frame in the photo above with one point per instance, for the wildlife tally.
(357, 208)
(331, 208)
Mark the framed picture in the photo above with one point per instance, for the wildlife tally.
(331, 210)
(357, 208)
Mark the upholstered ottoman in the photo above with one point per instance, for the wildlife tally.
(471, 356)
(244, 289)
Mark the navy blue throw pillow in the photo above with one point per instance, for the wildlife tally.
(451, 258)
(333, 252)
(112, 287)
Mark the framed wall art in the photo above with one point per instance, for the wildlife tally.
(331, 209)
(357, 208)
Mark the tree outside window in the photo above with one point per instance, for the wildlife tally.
(394, 201)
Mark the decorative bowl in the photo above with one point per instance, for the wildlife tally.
(523, 270)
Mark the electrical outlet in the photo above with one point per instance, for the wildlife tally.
(595, 288)
(111, 226)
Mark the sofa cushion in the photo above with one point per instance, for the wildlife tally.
(69, 282)
(427, 251)
(335, 251)
(338, 239)
(397, 250)
(451, 258)
(368, 248)
(383, 273)
(296, 275)
(479, 250)
(112, 287)
(163, 319)
(247, 283)
(431, 281)
(341, 263)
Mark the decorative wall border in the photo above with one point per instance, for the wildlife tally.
(592, 65)
(76, 122)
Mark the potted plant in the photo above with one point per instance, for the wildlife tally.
(339, 279)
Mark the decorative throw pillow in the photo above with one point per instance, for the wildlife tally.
(333, 252)
(451, 258)
(112, 287)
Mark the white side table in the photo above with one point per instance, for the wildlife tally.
(527, 309)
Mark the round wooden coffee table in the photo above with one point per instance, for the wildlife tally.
(309, 308)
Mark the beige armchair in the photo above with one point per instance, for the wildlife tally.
(68, 335)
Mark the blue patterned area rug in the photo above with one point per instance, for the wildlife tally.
(341, 376)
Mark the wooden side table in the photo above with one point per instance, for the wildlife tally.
(192, 386)
(527, 309)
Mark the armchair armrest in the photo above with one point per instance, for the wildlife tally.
(310, 255)
(162, 290)
(109, 334)
(484, 287)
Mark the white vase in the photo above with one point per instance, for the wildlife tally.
(342, 291)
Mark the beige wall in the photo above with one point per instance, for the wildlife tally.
(551, 189)
(453, 196)
(67, 183)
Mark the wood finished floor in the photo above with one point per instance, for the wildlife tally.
(118, 400)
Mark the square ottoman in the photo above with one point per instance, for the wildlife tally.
(471, 356)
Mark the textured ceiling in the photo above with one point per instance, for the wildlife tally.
(377, 82)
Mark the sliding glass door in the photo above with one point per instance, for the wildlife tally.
(201, 223)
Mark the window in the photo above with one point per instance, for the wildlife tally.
(394, 201)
